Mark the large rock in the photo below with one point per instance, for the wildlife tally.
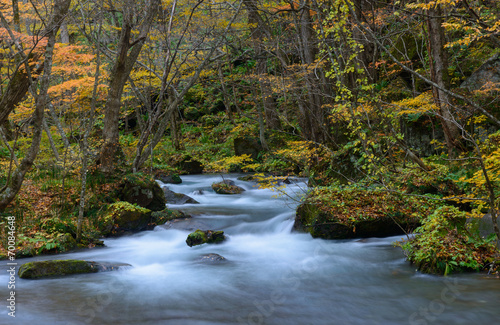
(247, 146)
(200, 237)
(142, 190)
(42, 269)
(168, 178)
(123, 217)
(359, 214)
(227, 187)
(484, 225)
(177, 198)
(161, 217)
(190, 166)
(486, 76)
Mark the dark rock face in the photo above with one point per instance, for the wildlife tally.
(42, 269)
(143, 191)
(247, 146)
(190, 166)
(177, 198)
(487, 74)
(227, 187)
(200, 237)
(320, 225)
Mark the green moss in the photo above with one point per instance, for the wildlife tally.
(34, 270)
(200, 237)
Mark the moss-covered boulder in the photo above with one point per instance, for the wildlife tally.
(200, 237)
(227, 187)
(177, 198)
(42, 269)
(65, 242)
(355, 213)
(161, 217)
(167, 178)
(123, 217)
(142, 190)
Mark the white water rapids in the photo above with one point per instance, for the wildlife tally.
(272, 275)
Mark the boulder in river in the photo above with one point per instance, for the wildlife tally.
(167, 178)
(42, 269)
(344, 214)
(142, 190)
(227, 187)
(212, 259)
(177, 198)
(200, 237)
(123, 216)
(161, 217)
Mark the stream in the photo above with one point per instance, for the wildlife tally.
(271, 275)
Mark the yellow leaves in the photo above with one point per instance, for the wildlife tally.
(223, 165)
(420, 104)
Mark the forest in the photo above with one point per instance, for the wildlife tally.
(390, 109)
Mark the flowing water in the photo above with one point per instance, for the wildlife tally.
(271, 276)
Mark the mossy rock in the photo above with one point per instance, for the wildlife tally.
(161, 217)
(337, 214)
(34, 270)
(168, 178)
(43, 269)
(200, 237)
(227, 187)
(142, 190)
(66, 242)
(123, 216)
(177, 198)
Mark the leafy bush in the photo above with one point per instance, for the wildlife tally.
(445, 245)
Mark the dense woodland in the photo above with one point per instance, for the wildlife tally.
(368, 99)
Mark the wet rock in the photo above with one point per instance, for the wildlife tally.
(320, 224)
(200, 237)
(168, 178)
(42, 269)
(161, 217)
(187, 224)
(212, 259)
(227, 187)
(177, 198)
(142, 190)
(122, 217)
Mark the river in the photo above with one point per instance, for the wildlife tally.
(271, 275)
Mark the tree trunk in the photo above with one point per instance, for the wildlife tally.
(314, 118)
(127, 55)
(11, 189)
(439, 69)
(15, 16)
(259, 33)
